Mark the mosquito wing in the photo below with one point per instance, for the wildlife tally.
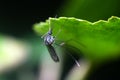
(52, 53)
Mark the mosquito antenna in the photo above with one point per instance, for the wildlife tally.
(49, 31)
(50, 28)
(50, 23)
(60, 28)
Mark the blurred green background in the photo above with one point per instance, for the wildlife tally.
(23, 56)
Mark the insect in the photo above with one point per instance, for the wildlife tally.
(49, 40)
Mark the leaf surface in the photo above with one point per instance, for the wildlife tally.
(97, 41)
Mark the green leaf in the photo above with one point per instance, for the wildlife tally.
(98, 41)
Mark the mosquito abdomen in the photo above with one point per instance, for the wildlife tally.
(53, 53)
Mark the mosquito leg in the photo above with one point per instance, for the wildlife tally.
(76, 61)
(62, 44)
(59, 43)
(57, 34)
(43, 35)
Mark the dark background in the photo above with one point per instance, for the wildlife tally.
(17, 17)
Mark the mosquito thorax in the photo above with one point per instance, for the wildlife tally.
(49, 39)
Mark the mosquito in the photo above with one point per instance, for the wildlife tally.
(48, 41)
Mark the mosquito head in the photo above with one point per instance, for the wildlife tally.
(50, 32)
